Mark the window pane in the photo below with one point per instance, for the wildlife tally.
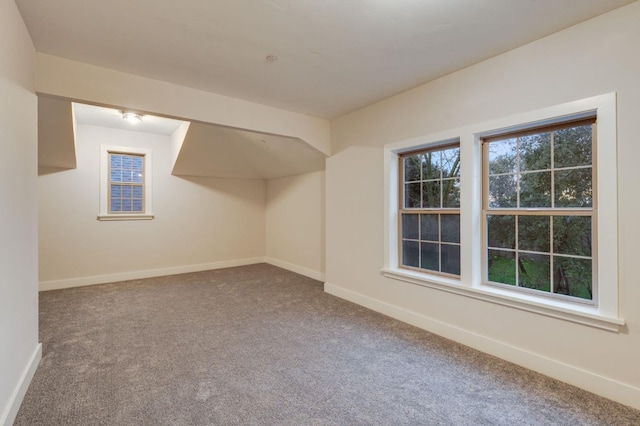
(126, 205)
(501, 267)
(429, 256)
(501, 231)
(136, 177)
(126, 161)
(116, 161)
(137, 205)
(502, 156)
(411, 253)
(502, 191)
(429, 227)
(126, 191)
(534, 271)
(572, 235)
(451, 193)
(412, 195)
(573, 188)
(431, 165)
(137, 163)
(116, 206)
(450, 259)
(410, 226)
(535, 189)
(535, 152)
(573, 147)
(572, 277)
(115, 176)
(450, 224)
(431, 194)
(412, 168)
(137, 192)
(450, 162)
(534, 233)
(116, 191)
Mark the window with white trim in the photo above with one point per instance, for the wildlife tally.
(538, 209)
(430, 210)
(125, 183)
(538, 222)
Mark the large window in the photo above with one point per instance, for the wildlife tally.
(125, 183)
(430, 209)
(520, 211)
(538, 209)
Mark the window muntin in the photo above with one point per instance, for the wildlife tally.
(430, 210)
(539, 210)
(603, 310)
(126, 183)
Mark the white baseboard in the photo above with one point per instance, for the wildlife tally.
(594, 383)
(295, 268)
(11, 410)
(148, 273)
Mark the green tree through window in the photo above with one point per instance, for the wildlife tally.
(538, 209)
(430, 210)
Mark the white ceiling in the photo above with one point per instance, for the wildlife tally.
(334, 55)
(208, 150)
(109, 117)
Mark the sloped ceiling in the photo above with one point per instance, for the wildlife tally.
(211, 150)
(208, 150)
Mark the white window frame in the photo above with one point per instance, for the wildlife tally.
(604, 314)
(104, 214)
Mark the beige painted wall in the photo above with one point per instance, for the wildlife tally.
(595, 57)
(295, 223)
(198, 221)
(19, 348)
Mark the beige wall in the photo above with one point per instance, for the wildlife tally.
(19, 348)
(200, 223)
(596, 57)
(295, 223)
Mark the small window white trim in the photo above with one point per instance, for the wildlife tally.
(605, 315)
(104, 214)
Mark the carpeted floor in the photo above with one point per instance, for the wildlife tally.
(258, 345)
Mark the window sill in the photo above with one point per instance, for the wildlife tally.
(111, 217)
(581, 314)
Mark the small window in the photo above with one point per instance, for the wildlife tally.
(539, 210)
(125, 184)
(430, 210)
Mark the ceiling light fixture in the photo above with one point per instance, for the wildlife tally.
(132, 117)
(271, 58)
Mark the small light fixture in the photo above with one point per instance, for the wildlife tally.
(132, 117)
(271, 58)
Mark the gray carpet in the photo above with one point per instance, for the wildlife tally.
(258, 345)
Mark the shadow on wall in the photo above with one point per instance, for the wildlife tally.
(232, 188)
